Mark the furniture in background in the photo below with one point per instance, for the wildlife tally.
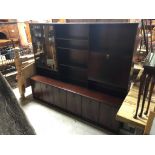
(94, 58)
(147, 82)
(125, 114)
(148, 75)
(13, 34)
(149, 126)
(24, 72)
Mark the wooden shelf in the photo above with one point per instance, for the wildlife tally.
(74, 67)
(72, 44)
(73, 49)
(79, 39)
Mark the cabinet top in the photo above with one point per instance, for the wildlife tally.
(85, 23)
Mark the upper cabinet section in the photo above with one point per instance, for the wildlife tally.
(117, 39)
(95, 55)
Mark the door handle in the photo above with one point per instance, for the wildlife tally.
(107, 56)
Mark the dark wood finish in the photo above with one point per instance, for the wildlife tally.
(147, 82)
(72, 31)
(63, 99)
(51, 95)
(142, 82)
(95, 95)
(74, 103)
(107, 117)
(73, 57)
(89, 55)
(36, 90)
(44, 94)
(150, 95)
(56, 96)
(90, 109)
(111, 50)
(91, 105)
(97, 56)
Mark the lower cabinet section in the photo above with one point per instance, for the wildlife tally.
(92, 110)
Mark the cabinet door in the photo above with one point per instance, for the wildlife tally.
(36, 89)
(109, 69)
(90, 109)
(51, 94)
(62, 98)
(44, 95)
(107, 117)
(47, 93)
(74, 103)
(56, 96)
(111, 50)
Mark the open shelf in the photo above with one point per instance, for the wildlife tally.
(113, 38)
(80, 39)
(72, 49)
(77, 31)
(74, 67)
(72, 57)
(73, 44)
(73, 73)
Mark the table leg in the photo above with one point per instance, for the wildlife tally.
(142, 83)
(145, 94)
(150, 95)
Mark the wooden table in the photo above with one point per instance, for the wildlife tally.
(128, 108)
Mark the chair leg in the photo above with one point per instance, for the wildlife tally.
(142, 83)
(145, 94)
(150, 95)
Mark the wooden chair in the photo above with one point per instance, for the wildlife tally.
(23, 73)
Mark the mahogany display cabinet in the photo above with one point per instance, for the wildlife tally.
(84, 69)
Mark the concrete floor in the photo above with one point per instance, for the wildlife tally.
(48, 120)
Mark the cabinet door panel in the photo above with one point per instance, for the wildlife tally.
(111, 51)
(44, 95)
(62, 99)
(51, 94)
(37, 90)
(107, 117)
(109, 69)
(90, 109)
(56, 96)
(74, 103)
